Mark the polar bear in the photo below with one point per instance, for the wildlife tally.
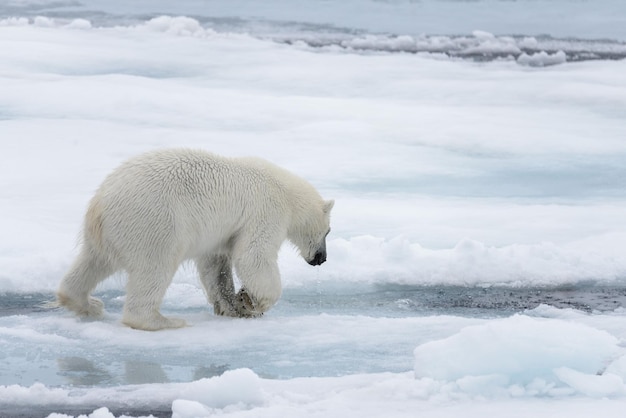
(164, 207)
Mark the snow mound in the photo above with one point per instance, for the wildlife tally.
(98, 413)
(177, 26)
(80, 24)
(480, 45)
(20, 395)
(14, 21)
(523, 356)
(542, 59)
(469, 263)
(169, 25)
(235, 388)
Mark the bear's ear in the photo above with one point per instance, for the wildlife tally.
(328, 205)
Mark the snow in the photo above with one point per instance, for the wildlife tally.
(470, 144)
(525, 204)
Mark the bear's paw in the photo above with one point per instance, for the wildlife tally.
(246, 305)
(154, 322)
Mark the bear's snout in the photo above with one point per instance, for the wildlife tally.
(320, 257)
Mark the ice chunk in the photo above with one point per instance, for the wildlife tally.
(43, 22)
(14, 21)
(20, 395)
(189, 409)
(483, 35)
(528, 42)
(82, 24)
(523, 352)
(234, 387)
(542, 59)
(595, 386)
(178, 26)
(618, 367)
(101, 413)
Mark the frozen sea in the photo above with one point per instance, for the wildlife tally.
(476, 152)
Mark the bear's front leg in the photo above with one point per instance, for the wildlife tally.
(261, 284)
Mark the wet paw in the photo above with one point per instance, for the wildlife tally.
(246, 305)
(224, 308)
(95, 308)
(175, 323)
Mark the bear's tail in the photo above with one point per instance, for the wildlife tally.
(93, 223)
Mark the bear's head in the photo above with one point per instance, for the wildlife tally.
(309, 235)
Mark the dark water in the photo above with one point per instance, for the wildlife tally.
(391, 300)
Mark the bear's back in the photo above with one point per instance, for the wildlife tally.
(194, 181)
(173, 173)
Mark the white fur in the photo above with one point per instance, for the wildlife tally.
(162, 208)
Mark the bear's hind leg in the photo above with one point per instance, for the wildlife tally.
(75, 289)
(216, 275)
(144, 293)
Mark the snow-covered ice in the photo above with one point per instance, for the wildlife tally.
(468, 145)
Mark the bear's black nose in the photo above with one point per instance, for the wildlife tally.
(320, 257)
